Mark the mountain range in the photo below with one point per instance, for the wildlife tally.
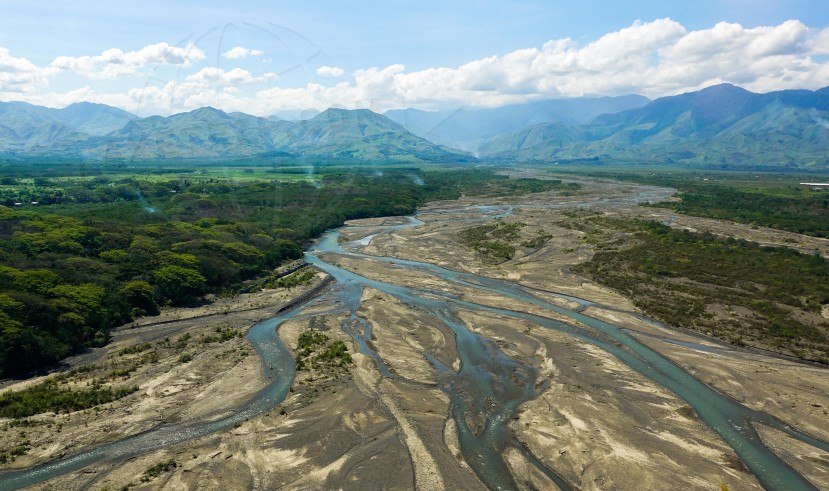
(720, 126)
(25, 126)
(208, 133)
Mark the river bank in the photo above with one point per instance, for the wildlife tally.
(466, 374)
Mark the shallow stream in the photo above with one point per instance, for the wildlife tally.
(489, 387)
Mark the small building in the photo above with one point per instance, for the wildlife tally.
(817, 186)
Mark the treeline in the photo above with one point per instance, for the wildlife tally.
(71, 272)
(806, 213)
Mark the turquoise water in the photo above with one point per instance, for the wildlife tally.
(263, 336)
(731, 420)
(487, 390)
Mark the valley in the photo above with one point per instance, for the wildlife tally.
(478, 356)
(511, 246)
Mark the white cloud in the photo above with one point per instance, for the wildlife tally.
(238, 52)
(655, 58)
(19, 74)
(330, 71)
(114, 63)
(234, 77)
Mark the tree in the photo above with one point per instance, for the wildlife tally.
(180, 285)
(281, 251)
(139, 294)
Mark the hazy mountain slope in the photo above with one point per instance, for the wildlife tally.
(93, 119)
(25, 126)
(468, 128)
(552, 137)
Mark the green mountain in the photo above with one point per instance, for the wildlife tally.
(208, 133)
(361, 134)
(93, 119)
(203, 133)
(24, 127)
(721, 126)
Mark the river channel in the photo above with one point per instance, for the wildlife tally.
(488, 388)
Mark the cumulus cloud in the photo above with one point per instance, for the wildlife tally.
(114, 63)
(655, 58)
(219, 76)
(238, 53)
(330, 71)
(19, 74)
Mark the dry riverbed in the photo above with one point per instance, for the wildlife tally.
(597, 423)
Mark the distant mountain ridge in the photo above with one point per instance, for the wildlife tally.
(467, 128)
(24, 126)
(721, 125)
(209, 133)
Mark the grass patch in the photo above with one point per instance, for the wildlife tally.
(315, 352)
(492, 240)
(294, 279)
(158, 469)
(49, 396)
(222, 334)
(497, 242)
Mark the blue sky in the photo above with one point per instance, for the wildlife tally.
(265, 57)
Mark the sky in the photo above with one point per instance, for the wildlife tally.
(285, 57)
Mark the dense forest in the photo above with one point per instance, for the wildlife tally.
(94, 253)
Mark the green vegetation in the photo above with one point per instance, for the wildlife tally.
(10, 455)
(294, 279)
(138, 348)
(158, 469)
(732, 289)
(770, 200)
(537, 241)
(99, 251)
(492, 240)
(496, 241)
(794, 209)
(222, 335)
(49, 396)
(314, 352)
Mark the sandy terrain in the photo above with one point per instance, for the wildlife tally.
(597, 423)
